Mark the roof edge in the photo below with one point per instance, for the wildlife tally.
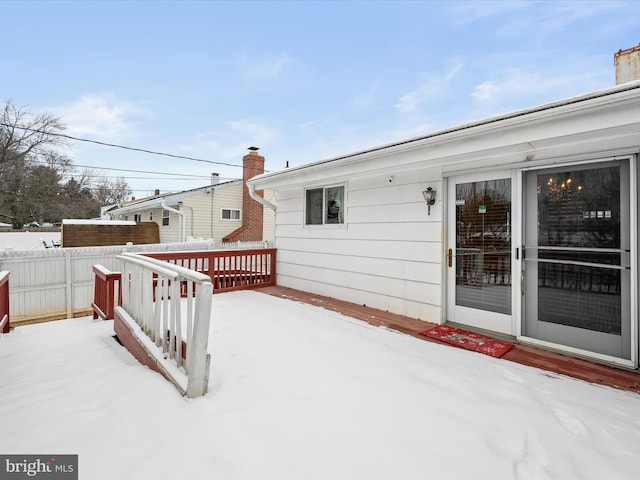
(459, 128)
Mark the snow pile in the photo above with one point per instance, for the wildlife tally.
(34, 240)
(297, 391)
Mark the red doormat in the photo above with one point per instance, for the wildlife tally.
(468, 340)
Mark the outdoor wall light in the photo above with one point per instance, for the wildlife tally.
(429, 197)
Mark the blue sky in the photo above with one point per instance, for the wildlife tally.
(303, 81)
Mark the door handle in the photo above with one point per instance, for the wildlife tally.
(450, 258)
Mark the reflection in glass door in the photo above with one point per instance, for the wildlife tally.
(480, 279)
(577, 256)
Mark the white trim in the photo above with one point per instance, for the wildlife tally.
(633, 257)
(497, 322)
(633, 262)
(517, 242)
(324, 223)
(555, 161)
(576, 352)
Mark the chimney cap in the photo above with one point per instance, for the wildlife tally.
(254, 149)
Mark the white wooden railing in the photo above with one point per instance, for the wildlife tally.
(171, 306)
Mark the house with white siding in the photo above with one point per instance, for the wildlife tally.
(522, 225)
(219, 211)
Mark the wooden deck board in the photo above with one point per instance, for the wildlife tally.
(522, 354)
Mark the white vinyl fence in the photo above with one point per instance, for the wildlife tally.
(58, 282)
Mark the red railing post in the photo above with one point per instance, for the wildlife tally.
(228, 269)
(5, 319)
(104, 292)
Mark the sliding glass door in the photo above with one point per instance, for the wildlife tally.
(577, 256)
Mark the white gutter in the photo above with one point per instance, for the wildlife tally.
(156, 202)
(184, 219)
(253, 194)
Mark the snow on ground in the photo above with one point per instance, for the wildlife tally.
(300, 392)
(30, 240)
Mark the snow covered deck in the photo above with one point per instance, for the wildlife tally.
(554, 362)
(298, 391)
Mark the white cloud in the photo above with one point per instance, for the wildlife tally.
(367, 97)
(270, 66)
(258, 133)
(516, 83)
(466, 13)
(101, 117)
(535, 19)
(434, 86)
(229, 143)
(307, 127)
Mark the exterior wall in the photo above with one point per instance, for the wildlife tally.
(229, 197)
(198, 210)
(204, 212)
(269, 217)
(172, 232)
(387, 255)
(390, 253)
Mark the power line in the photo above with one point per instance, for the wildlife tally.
(114, 145)
(166, 175)
(142, 171)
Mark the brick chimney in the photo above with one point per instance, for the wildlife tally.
(252, 214)
(627, 64)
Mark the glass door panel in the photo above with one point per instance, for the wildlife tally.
(479, 260)
(577, 257)
(483, 245)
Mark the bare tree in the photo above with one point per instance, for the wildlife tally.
(33, 166)
(27, 141)
(110, 192)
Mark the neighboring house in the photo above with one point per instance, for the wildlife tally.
(217, 211)
(525, 225)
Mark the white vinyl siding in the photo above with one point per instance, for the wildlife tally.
(389, 256)
(203, 211)
(268, 217)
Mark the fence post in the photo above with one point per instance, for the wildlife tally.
(105, 295)
(5, 320)
(197, 356)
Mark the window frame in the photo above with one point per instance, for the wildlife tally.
(325, 223)
(231, 211)
(166, 216)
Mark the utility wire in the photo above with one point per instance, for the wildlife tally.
(114, 145)
(142, 171)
